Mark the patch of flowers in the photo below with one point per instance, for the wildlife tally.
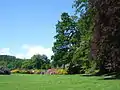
(51, 71)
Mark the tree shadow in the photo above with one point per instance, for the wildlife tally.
(88, 75)
(104, 77)
(111, 77)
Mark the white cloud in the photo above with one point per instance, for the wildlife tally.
(22, 56)
(30, 51)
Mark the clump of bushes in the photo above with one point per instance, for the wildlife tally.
(76, 69)
(52, 71)
(25, 71)
(4, 71)
(62, 71)
(36, 71)
(57, 71)
(15, 71)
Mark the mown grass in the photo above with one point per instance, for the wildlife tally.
(56, 82)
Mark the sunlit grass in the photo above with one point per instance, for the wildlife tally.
(56, 82)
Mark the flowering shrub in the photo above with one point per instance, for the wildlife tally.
(56, 71)
(51, 71)
(62, 71)
(36, 71)
(26, 71)
(21, 71)
(15, 71)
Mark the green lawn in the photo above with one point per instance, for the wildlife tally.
(58, 82)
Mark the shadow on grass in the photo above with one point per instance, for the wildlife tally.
(88, 75)
(114, 77)
(104, 77)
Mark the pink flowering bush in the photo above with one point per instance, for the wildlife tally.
(56, 71)
(51, 71)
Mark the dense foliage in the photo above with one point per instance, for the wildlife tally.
(107, 34)
(89, 40)
(36, 62)
(72, 47)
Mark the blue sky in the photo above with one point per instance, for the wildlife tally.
(29, 25)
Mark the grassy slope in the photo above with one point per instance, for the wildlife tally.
(47, 82)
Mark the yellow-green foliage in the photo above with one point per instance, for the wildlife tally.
(20, 71)
(15, 71)
(26, 71)
(62, 71)
(36, 71)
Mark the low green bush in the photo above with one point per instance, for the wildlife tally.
(4, 71)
